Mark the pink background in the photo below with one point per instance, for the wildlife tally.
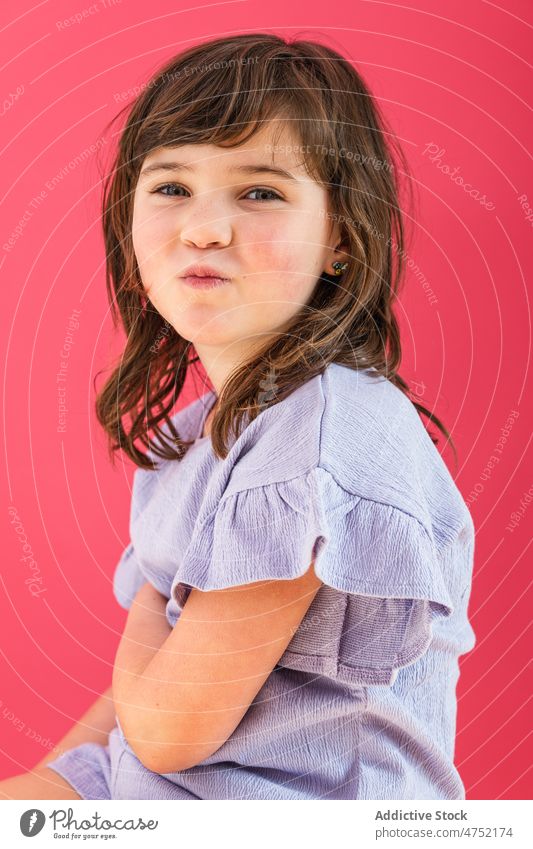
(453, 75)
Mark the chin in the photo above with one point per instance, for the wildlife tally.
(206, 333)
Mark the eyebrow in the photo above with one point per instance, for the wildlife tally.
(242, 169)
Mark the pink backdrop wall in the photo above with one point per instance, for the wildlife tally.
(453, 80)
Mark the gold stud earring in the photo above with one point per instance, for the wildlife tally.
(340, 267)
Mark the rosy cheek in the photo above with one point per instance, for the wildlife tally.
(275, 252)
(142, 238)
(151, 233)
(281, 268)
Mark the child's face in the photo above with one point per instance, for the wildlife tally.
(273, 249)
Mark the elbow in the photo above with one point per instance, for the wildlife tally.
(164, 746)
(167, 759)
(162, 755)
(143, 731)
(163, 764)
(178, 757)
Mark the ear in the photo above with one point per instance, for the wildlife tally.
(338, 254)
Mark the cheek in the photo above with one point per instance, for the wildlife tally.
(149, 235)
(275, 250)
(285, 271)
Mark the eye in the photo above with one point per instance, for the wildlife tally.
(171, 186)
(167, 186)
(275, 195)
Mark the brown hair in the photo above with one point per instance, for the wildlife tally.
(221, 92)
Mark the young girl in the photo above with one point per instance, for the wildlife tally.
(300, 560)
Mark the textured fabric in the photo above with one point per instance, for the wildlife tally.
(362, 704)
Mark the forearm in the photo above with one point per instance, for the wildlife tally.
(93, 727)
(146, 629)
(145, 632)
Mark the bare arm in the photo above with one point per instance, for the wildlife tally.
(143, 626)
(181, 692)
(145, 632)
(93, 727)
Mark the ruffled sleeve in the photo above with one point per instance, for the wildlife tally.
(383, 579)
(128, 578)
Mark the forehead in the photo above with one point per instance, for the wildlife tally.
(274, 143)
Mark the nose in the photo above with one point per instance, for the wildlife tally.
(207, 227)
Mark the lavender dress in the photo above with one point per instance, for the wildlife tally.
(362, 704)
